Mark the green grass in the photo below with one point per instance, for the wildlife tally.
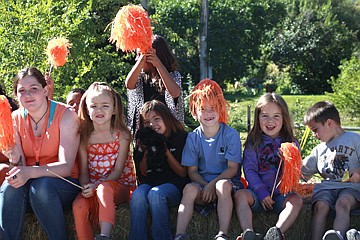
(298, 104)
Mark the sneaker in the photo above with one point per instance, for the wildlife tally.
(332, 235)
(101, 237)
(221, 236)
(181, 236)
(274, 233)
(353, 234)
(248, 235)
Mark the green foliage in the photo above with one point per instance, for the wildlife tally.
(27, 26)
(178, 22)
(311, 45)
(236, 31)
(346, 87)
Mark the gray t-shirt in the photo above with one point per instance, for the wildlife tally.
(332, 159)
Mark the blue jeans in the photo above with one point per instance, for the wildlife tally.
(48, 197)
(157, 201)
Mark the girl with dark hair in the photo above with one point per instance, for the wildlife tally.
(155, 75)
(158, 190)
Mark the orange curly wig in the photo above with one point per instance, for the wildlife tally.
(208, 91)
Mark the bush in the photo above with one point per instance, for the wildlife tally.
(346, 87)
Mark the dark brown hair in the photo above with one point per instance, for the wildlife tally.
(171, 123)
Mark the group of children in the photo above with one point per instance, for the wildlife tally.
(203, 167)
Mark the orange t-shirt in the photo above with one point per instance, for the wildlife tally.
(49, 148)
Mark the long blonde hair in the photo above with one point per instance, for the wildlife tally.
(117, 119)
(287, 129)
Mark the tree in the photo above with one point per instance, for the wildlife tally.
(27, 26)
(311, 45)
(346, 87)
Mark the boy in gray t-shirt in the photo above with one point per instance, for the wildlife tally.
(337, 160)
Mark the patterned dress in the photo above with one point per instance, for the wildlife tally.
(136, 99)
(101, 162)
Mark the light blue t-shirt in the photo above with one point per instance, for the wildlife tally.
(210, 155)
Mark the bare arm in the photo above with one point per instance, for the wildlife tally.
(83, 166)
(168, 81)
(175, 165)
(68, 147)
(124, 141)
(132, 77)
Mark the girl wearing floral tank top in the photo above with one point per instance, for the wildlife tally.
(106, 168)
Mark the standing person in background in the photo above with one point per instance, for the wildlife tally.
(162, 188)
(155, 76)
(212, 154)
(337, 156)
(74, 97)
(106, 170)
(47, 141)
(272, 127)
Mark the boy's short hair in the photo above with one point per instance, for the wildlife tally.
(208, 91)
(322, 111)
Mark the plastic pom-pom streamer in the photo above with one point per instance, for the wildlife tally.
(131, 29)
(209, 92)
(7, 137)
(291, 171)
(57, 51)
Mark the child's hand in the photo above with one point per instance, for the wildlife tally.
(268, 203)
(88, 190)
(355, 176)
(208, 193)
(152, 58)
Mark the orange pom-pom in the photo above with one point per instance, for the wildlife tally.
(207, 91)
(57, 51)
(131, 29)
(7, 137)
(292, 167)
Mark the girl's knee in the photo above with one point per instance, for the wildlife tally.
(155, 196)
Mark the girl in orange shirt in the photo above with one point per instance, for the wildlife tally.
(106, 168)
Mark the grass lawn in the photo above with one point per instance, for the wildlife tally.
(298, 104)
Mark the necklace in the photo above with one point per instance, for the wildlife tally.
(36, 122)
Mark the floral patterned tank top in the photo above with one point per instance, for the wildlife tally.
(101, 162)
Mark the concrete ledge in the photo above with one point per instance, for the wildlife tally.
(200, 228)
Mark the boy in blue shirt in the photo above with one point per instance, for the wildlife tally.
(212, 154)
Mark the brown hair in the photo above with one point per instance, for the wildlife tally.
(117, 120)
(29, 71)
(171, 123)
(167, 59)
(287, 129)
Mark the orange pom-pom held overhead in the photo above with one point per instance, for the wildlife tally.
(7, 137)
(57, 51)
(131, 29)
(291, 171)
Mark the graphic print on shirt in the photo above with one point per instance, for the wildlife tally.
(334, 165)
(268, 157)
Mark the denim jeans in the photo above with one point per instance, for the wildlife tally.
(48, 198)
(157, 201)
